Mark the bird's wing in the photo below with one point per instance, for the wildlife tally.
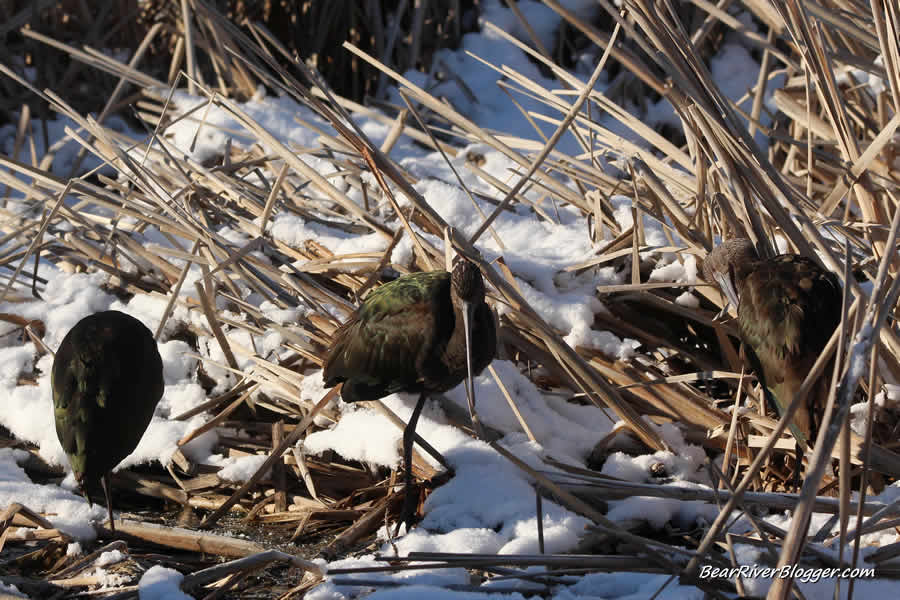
(73, 405)
(789, 307)
(381, 348)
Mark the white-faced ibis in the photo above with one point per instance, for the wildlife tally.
(107, 379)
(421, 333)
(787, 307)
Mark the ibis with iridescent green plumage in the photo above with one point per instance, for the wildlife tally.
(107, 379)
(422, 333)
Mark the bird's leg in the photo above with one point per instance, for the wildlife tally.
(431, 451)
(409, 503)
(468, 308)
(105, 481)
(788, 390)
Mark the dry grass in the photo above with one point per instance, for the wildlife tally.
(402, 33)
(830, 174)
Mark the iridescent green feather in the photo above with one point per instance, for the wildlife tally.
(407, 336)
(398, 295)
(380, 348)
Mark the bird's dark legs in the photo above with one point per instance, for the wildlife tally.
(429, 449)
(799, 437)
(409, 503)
(105, 481)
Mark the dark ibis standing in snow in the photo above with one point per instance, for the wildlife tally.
(787, 308)
(107, 379)
(422, 333)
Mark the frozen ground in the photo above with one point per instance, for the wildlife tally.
(488, 507)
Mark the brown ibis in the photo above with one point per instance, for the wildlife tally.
(423, 333)
(787, 308)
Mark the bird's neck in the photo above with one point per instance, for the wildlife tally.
(453, 353)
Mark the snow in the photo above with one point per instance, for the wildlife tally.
(294, 231)
(414, 592)
(160, 583)
(11, 590)
(110, 558)
(488, 506)
(70, 513)
(242, 469)
(630, 586)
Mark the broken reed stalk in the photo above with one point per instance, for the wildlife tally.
(183, 539)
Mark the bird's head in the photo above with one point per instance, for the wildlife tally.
(727, 264)
(467, 295)
(467, 282)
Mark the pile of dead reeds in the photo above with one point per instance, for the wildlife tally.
(403, 34)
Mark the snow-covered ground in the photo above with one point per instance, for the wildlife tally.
(489, 506)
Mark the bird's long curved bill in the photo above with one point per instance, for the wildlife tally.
(727, 287)
(467, 313)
